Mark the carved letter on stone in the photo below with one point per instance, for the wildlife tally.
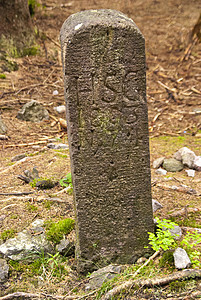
(105, 90)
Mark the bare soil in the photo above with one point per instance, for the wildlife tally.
(174, 104)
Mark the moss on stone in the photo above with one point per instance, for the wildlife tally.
(56, 231)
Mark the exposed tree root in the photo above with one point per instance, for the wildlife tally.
(22, 295)
(180, 275)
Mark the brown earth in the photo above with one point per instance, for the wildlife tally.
(174, 103)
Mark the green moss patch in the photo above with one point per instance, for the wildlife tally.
(7, 234)
(56, 231)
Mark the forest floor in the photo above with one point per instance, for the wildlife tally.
(174, 104)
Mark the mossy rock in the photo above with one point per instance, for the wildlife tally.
(6, 64)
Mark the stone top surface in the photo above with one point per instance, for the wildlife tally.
(91, 18)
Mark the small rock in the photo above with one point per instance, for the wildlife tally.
(161, 171)
(57, 146)
(197, 163)
(55, 93)
(66, 248)
(45, 184)
(2, 217)
(176, 232)
(60, 109)
(156, 205)
(181, 259)
(4, 268)
(3, 128)
(102, 275)
(186, 156)
(36, 147)
(141, 260)
(37, 222)
(26, 246)
(34, 173)
(36, 226)
(18, 157)
(190, 173)
(158, 162)
(33, 111)
(4, 137)
(53, 140)
(172, 165)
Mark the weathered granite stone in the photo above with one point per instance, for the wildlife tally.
(176, 232)
(181, 259)
(25, 246)
(103, 55)
(18, 157)
(161, 171)
(102, 275)
(57, 146)
(33, 111)
(156, 205)
(158, 162)
(186, 156)
(172, 165)
(4, 268)
(197, 163)
(66, 248)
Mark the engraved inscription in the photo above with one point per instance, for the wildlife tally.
(104, 75)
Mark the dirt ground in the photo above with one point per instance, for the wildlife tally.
(174, 104)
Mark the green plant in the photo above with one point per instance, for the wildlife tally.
(167, 260)
(46, 265)
(31, 207)
(2, 76)
(67, 183)
(47, 204)
(56, 231)
(181, 286)
(32, 6)
(189, 242)
(7, 234)
(163, 238)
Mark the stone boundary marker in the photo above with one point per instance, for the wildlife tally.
(103, 57)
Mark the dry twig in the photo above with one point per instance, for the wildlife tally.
(16, 194)
(13, 204)
(22, 295)
(25, 145)
(13, 166)
(181, 188)
(145, 264)
(158, 281)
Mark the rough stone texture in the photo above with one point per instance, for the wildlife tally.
(4, 268)
(156, 205)
(18, 157)
(172, 165)
(190, 173)
(25, 246)
(161, 171)
(33, 111)
(66, 248)
(103, 55)
(102, 275)
(158, 162)
(181, 259)
(186, 156)
(197, 163)
(176, 232)
(3, 128)
(57, 146)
